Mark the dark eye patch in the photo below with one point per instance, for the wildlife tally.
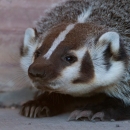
(37, 53)
(86, 70)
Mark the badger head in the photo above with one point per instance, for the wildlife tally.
(74, 59)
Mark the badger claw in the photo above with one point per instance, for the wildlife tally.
(86, 113)
(73, 115)
(77, 114)
(32, 110)
(98, 115)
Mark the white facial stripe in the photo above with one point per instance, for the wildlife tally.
(58, 40)
(85, 14)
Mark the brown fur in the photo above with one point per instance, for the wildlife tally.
(49, 39)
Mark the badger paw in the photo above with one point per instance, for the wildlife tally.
(86, 114)
(34, 109)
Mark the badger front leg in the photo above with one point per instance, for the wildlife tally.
(44, 105)
(50, 104)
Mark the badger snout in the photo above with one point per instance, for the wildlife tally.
(36, 72)
(42, 72)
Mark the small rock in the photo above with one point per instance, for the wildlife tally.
(117, 125)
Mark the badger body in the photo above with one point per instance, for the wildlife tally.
(81, 48)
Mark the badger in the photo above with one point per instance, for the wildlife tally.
(79, 55)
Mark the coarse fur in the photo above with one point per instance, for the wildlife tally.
(81, 48)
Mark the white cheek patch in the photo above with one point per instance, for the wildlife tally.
(58, 40)
(111, 76)
(73, 71)
(69, 74)
(85, 14)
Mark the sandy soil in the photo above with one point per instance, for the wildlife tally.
(11, 120)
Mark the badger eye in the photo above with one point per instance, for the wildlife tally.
(37, 54)
(70, 59)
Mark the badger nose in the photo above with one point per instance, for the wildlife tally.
(36, 72)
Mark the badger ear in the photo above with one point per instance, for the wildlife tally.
(29, 36)
(112, 40)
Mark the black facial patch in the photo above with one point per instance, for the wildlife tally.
(23, 50)
(86, 70)
(107, 55)
(120, 56)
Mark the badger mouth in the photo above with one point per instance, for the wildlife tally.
(46, 86)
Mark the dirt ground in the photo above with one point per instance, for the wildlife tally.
(11, 120)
